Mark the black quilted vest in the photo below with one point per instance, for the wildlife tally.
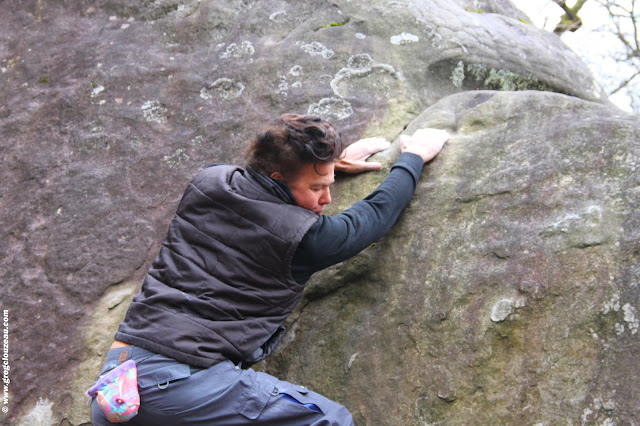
(221, 285)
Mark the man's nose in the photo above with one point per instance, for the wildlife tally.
(326, 197)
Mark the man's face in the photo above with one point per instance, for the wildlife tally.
(311, 189)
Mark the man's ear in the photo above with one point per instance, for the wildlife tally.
(276, 176)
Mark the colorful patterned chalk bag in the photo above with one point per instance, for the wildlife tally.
(117, 392)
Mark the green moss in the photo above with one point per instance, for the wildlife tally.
(475, 10)
(336, 24)
(93, 84)
(44, 79)
(477, 71)
(524, 21)
(503, 80)
(567, 21)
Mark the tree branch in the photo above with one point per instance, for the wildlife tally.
(624, 83)
(570, 21)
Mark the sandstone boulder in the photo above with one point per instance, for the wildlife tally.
(508, 291)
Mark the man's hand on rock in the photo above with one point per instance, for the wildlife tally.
(426, 143)
(356, 154)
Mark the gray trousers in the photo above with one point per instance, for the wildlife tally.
(172, 393)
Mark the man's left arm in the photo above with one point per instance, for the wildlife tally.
(333, 239)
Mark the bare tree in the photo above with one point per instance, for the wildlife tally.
(624, 18)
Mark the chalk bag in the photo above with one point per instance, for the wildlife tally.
(117, 392)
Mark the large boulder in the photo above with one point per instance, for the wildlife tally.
(108, 108)
(508, 291)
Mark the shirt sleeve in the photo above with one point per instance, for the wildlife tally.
(333, 239)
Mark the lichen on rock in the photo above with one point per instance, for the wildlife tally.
(315, 48)
(154, 111)
(483, 77)
(224, 88)
(363, 76)
(501, 310)
(242, 51)
(331, 109)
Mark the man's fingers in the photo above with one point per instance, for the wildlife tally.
(378, 144)
(373, 145)
(435, 136)
(426, 142)
(370, 166)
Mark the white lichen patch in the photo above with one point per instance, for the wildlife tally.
(316, 48)
(331, 109)
(283, 86)
(296, 84)
(351, 360)
(363, 75)
(404, 38)
(619, 328)
(41, 414)
(611, 305)
(96, 91)
(279, 16)
(501, 310)
(242, 51)
(585, 415)
(224, 88)
(205, 93)
(595, 412)
(174, 160)
(362, 62)
(154, 112)
(361, 36)
(630, 317)
(295, 70)
(457, 76)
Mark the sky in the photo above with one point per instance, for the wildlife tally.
(593, 43)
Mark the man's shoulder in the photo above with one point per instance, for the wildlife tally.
(216, 175)
(219, 169)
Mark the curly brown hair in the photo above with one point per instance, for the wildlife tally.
(292, 141)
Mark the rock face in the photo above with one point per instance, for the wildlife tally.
(507, 292)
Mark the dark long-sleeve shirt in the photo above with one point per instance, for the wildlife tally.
(335, 238)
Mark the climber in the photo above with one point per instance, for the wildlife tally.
(232, 267)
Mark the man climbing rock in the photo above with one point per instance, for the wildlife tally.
(233, 265)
